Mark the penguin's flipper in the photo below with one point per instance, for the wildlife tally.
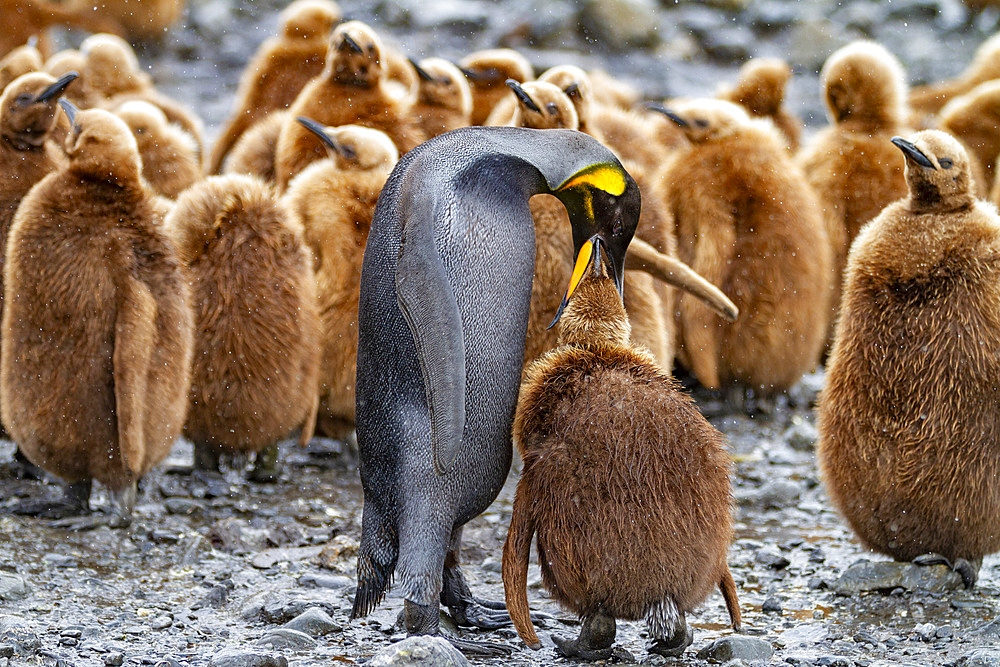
(429, 305)
(516, 550)
(135, 336)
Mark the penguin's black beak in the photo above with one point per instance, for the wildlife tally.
(659, 108)
(470, 74)
(590, 255)
(57, 88)
(522, 95)
(912, 152)
(319, 131)
(351, 44)
(70, 110)
(421, 72)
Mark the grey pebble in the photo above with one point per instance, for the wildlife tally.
(161, 622)
(833, 661)
(325, 581)
(14, 632)
(772, 558)
(240, 658)
(879, 575)
(772, 605)
(743, 648)
(801, 435)
(13, 587)
(426, 651)
(983, 657)
(314, 622)
(287, 638)
(114, 659)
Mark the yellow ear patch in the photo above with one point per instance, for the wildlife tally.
(606, 177)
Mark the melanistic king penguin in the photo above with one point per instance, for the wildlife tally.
(445, 290)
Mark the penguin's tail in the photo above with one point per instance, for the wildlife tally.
(516, 550)
(376, 561)
(728, 588)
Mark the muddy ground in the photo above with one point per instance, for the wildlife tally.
(209, 566)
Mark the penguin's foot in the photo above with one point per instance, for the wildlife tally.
(206, 458)
(123, 501)
(968, 570)
(467, 609)
(596, 641)
(674, 646)
(21, 468)
(265, 466)
(669, 629)
(421, 619)
(75, 502)
(480, 649)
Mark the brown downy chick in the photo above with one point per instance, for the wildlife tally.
(851, 165)
(570, 79)
(279, 70)
(444, 100)
(985, 66)
(22, 60)
(350, 90)
(97, 339)
(256, 362)
(761, 91)
(64, 62)
(31, 19)
(907, 451)
(974, 119)
(334, 200)
(624, 482)
(254, 152)
(487, 72)
(748, 223)
(169, 154)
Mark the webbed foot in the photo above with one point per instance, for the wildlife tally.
(422, 619)
(968, 570)
(669, 629)
(21, 468)
(75, 502)
(596, 641)
(673, 647)
(467, 609)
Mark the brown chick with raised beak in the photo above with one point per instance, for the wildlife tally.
(444, 100)
(985, 66)
(851, 165)
(279, 70)
(350, 90)
(22, 60)
(256, 363)
(169, 154)
(748, 223)
(97, 339)
(909, 442)
(974, 119)
(761, 91)
(254, 152)
(335, 199)
(487, 72)
(625, 483)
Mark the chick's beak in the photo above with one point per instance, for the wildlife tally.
(319, 131)
(522, 95)
(57, 88)
(70, 110)
(912, 152)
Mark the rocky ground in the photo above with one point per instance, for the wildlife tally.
(246, 575)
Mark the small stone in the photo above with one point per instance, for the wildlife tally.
(817, 583)
(981, 657)
(425, 650)
(867, 575)
(12, 587)
(271, 557)
(772, 558)
(114, 659)
(216, 598)
(926, 631)
(238, 658)
(772, 605)
(74, 631)
(944, 632)
(14, 632)
(806, 634)
(334, 556)
(749, 649)
(161, 622)
(333, 582)
(6, 651)
(59, 560)
(183, 506)
(287, 638)
(833, 661)
(314, 622)
(865, 637)
(991, 629)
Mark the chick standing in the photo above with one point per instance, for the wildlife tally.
(169, 154)
(761, 91)
(97, 339)
(444, 99)
(974, 119)
(908, 449)
(22, 60)
(632, 507)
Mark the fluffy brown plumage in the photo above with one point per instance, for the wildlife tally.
(985, 66)
(22, 60)
(487, 72)
(350, 90)
(254, 152)
(444, 100)
(169, 154)
(279, 70)
(97, 338)
(974, 119)
(747, 222)
(909, 447)
(761, 91)
(33, 18)
(851, 165)
(256, 362)
(631, 506)
(335, 200)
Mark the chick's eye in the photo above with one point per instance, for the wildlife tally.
(945, 163)
(701, 122)
(23, 98)
(552, 108)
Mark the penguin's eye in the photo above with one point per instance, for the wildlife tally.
(348, 152)
(945, 163)
(616, 228)
(700, 122)
(552, 108)
(23, 99)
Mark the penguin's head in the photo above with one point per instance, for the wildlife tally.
(19, 61)
(542, 106)
(863, 82)
(937, 170)
(150, 127)
(490, 69)
(704, 120)
(101, 146)
(761, 86)
(28, 107)
(112, 66)
(309, 19)
(442, 84)
(576, 84)
(603, 204)
(355, 56)
(594, 311)
(353, 147)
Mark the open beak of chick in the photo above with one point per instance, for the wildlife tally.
(913, 153)
(591, 257)
(57, 88)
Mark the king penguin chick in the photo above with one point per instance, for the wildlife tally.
(256, 361)
(279, 70)
(906, 449)
(488, 72)
(97, 340)
(22, 60)
(254, 152)
(444, 99)
(985, 66)
(335, 199)
(169, 154)
(760, 90)
(350, 90)
(974, 119)
(748, 223)
(64, 62)
(632, 507)
(851, 165)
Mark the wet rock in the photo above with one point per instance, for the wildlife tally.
(335, 582)
(283, 606)
(805, 634)
(983, 657)
(114, 659)
(990, 630)
(926, 631)
(314, 622)
(14, 632)
(59, 560)
(749, 649)
(833, 661)
(6, 651)
(729, 43)
(801, 435)
(183, 506)
(239, 658)
(287, 638)
(423, 650)
(772, 605)
(885, 576)
(776, 495)
(772, 558)
(619, 24)
(336, 554)
(216, 598)
(12, 587)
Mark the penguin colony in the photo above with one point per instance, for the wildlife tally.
(226, 307)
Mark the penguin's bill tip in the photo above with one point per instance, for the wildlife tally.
(911, 151)
(607, 177)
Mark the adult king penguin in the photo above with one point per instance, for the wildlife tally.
(445, 289)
